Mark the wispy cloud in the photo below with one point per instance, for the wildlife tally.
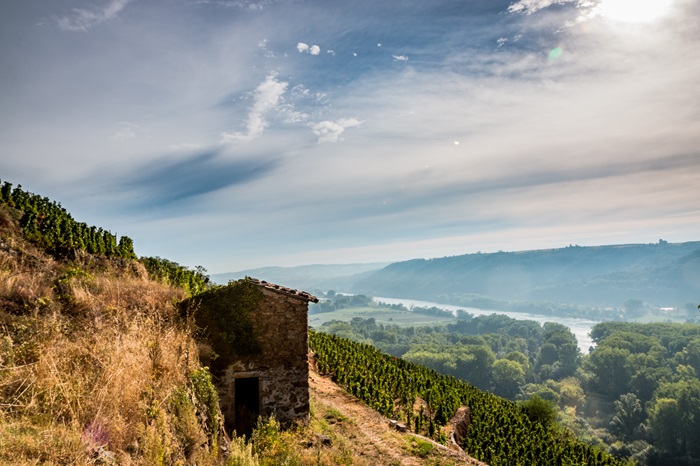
(85, 19)
(127, 131)
(169, 180)
(267, 96)
(248, 5)
(330, 131)
(400, 57)
(533, 6)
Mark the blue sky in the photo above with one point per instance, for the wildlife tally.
(240, 134)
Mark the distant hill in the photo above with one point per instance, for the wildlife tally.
(661, 274)
(306, 277)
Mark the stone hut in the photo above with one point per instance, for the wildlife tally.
(275, 378)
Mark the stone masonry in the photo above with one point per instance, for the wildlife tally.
(281, 368)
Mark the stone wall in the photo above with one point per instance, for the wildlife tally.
(281, 326)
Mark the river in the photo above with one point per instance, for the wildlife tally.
(581, 328)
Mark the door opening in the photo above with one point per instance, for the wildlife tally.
(247, 405)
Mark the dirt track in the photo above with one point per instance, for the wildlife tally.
(371, 436)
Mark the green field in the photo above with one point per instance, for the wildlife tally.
(381, 314)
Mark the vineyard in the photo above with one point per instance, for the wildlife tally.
(49, 226)
(500, 432)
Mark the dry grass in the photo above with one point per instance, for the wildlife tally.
(94, 356)
(97, 367)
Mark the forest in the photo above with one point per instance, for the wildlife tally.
(636, 395)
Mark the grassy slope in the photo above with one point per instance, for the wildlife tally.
(93, 357)
(96, 367)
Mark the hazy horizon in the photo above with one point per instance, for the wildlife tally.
(239, 134)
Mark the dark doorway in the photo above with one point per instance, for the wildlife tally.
(247, 399)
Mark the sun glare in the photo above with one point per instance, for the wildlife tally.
(634, 11)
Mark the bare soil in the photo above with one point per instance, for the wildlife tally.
(367, 434)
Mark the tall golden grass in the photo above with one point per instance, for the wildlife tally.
(95, 364)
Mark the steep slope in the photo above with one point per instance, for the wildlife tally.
(97, 367)
(367, 435)
(95, 364)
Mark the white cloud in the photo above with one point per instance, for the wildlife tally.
(291, 115)
(313, 49)
(330, 52)
(267, 96)
(400, 57)
(250, 5)
(83, 19)
(532, 6)
(300, 91)
(330, 131)
(127, 132)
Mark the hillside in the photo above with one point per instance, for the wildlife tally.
(100, 365)
(306, 277)
(96, 367)
(94, 363)
(366, 437)
(661, 274)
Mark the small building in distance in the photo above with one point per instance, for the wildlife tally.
(259, 332)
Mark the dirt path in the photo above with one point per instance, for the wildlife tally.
(370, 435)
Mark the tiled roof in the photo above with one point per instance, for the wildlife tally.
(284, 290)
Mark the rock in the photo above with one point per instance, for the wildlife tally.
(323, 440)
(106, 457)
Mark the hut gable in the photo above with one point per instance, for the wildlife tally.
(274, 378)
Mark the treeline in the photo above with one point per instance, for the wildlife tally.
(547, 308)
(51, 227)
(493, 352)
(336, 302)
(499, 432)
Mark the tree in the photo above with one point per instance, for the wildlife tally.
(611, 369)
(539, 410)
(663, 419)
(508, 376)
(629, 415)
(674, 418)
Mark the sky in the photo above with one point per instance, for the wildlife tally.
(249, 133)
